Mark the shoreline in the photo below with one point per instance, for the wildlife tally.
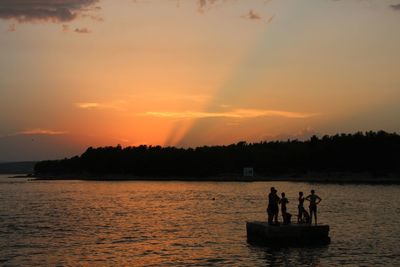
(323, 178)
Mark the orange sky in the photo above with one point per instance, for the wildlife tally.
(75, 73)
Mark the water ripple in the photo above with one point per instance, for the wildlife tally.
(69, 223)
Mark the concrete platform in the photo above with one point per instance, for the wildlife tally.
(293, 234)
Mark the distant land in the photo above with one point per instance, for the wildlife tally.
(17, 167)
(361, 157)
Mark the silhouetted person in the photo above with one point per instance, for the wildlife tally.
(300, 208)
(283, 201)
(314, 201)
(273, 206)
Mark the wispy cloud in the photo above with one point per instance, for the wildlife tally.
(117, 105)
(205, 4)
(252, 15)
(39, 131)
(88, 105)
(238, 113)
(44, 10)
(82, 30)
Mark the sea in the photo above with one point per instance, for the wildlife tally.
(149, 223)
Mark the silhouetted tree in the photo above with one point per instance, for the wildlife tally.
(374, 152)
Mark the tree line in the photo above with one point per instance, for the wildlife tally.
(375, 152)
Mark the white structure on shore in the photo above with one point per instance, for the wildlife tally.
(248, 172)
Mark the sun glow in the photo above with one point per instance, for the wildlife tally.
(196, 72)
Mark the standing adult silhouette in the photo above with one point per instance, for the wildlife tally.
(273, 206)
(314, 201)
(284, 201)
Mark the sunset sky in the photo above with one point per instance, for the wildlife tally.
(79, 73)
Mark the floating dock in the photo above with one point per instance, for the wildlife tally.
(292, 234)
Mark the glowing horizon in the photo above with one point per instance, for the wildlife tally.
(80, 73)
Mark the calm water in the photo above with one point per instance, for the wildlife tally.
(70, 223)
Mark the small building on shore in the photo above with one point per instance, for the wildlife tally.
(248, 172)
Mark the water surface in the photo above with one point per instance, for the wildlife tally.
(186, 224)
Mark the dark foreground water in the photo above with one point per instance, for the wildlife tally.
(74, 223)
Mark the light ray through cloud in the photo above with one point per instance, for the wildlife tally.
(196, 72)
(228, 90)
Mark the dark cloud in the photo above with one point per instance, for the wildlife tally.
(44, 10)
(395, 7)
(206, 4)
(82, 30)
(252, 15)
